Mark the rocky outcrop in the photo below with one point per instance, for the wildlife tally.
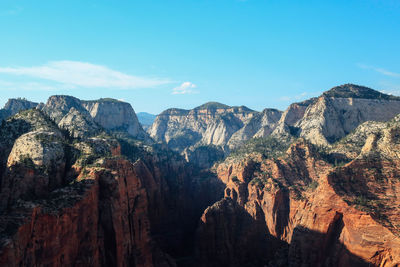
(102, 220)
(67, 201)
(212, 124)
(115, 115)
(110, 114)
(209, 124)
(260, 125)
(229, 236)
(79, 188)
(15, 105)
(79, 125)
(58, 106)
(336, 113)
(326, 215)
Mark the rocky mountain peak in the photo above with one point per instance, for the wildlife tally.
(58, 106)
(357, 91)
(109, 113)
(14, 105)
(212, 106)
(115, 115)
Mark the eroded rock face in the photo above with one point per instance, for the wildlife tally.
(213, 124)
(58, 106)
(261, 125)
(106, 223)
(15, 105)
(35, 166)
(336, 113)
(78, 202)
(93, 213)
(342, 115)
(90, 199)
(229, 236)
(87, 116)
(79, 125)
(115, 115)
(210, 124)
(327, 215)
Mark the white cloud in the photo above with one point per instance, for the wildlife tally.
(184, 88)
(380, 70)
(298, 97)
(82, 74)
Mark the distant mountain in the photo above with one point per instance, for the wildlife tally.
(111, 114)
(337, 112)
(14, 105)
(212, 124)
(315, 185)
(146, 119)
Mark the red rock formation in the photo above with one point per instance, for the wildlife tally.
(303, 203)
(229, 236)
(106, 224)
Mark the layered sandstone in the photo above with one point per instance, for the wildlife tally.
(336, 113)
(110, 114)
(327, 215)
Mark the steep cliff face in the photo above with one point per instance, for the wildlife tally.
(115, 115)
(260, 125)
(336, 113)
(327, 215)
(107, 113)
(100, 217)
(209, 124)
(29, 138)
(67, 201)
(15, 105)
(79, 125)
(212, 124)
(75, 191)
(102, 220)
(229, 236)
(58, 106)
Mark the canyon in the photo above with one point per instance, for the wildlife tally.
(84, 184)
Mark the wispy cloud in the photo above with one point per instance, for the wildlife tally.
(184, 88)
(379, 70)
(388, 87)
(298, 97)
(83, 74)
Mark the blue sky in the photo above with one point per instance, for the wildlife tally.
(161, 54)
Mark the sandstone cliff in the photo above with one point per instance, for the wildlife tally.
(96, 200)
(212, 124)
(110, 114)
(316, 185)
(336, 113)
(326, 215)
(15, 105)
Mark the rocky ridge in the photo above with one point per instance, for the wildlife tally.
(79, 188)
(336, 113)
(220, 127)
(15, 105)
(90, 199)
(322, 120)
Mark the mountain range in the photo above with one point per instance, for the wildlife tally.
(90, 183)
